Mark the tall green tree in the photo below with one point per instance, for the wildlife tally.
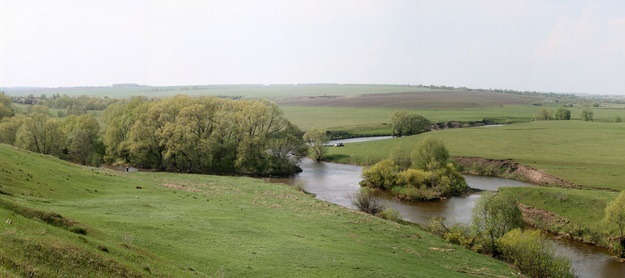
(406, 123)
(6, 109)
(563, 114)
(40, 133)
(431, 154)
(9, 127)
(587, 115)
(316, 139)
(493, 216)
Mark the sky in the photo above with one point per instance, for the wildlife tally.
(565, 46)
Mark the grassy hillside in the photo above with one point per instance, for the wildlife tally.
(60, 219)
(585, 153)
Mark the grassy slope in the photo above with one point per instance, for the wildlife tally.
(193, 225)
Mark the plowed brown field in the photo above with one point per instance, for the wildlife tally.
(415, 100)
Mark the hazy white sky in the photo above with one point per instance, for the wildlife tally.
(542, 45)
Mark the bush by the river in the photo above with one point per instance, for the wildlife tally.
(530, 251)
(429, 176)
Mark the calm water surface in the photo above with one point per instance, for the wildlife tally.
(337, 183)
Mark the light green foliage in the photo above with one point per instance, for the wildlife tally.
(316, 139)
(9, 127)
(389, 214)
(431, 154)
(615, 213)
(381, 175)
(543, 114)
(6, 110)
(434, 180)
(533, 254)
(458, 233)
(203, 135)
(563, 114)
(587, 115)
(493, 216)
(401, 156)
(40, 133)
(406, 123)
(615, 217)
(82, 133)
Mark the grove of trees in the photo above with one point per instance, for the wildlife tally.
(203, 135)
(429, 175)
(180, 134)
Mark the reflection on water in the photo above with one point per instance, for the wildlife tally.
(337, 183)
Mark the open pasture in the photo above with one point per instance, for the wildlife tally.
(585, 153)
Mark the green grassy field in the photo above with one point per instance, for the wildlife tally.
(180, 225)
(585, 153)
(246, 91)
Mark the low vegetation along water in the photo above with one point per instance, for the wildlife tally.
(337, 183)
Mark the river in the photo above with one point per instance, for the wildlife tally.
(337, 183)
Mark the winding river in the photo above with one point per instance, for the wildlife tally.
(337, 183)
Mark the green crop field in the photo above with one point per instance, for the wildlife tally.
(245, 91)
(60, 219)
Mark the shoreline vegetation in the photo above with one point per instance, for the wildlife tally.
(545, 220)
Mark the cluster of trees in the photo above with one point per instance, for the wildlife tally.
(75, 138)
(562, 114)
(406, 123)
(422, 174)
(5, 106)
(180, 134)
(203, 135)
(497, 229)
(547, 115)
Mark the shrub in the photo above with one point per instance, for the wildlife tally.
(618, 119)
(364, 201)
(563, 114)
(493, 216)
(587, 115)
(389, 214)
(543, 115)
(381, 175)
(533, 254)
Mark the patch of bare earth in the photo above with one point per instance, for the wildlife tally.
(415, 100)
(511, 169)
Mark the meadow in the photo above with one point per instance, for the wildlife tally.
(584, 153)
(60, 219)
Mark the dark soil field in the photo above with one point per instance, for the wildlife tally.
(415, 100)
